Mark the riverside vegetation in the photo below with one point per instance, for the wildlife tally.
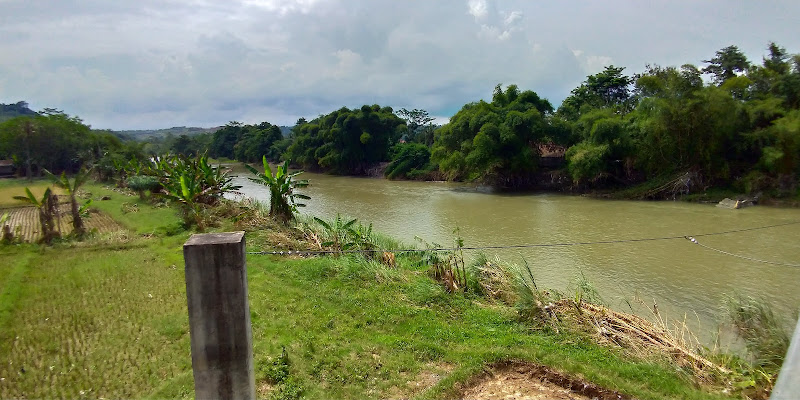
(703, 133)
(106, 316)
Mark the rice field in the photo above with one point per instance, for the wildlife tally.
(24, 222)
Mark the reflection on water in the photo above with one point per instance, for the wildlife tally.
(680, 277)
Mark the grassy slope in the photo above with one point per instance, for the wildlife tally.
(16, 187)
(108, 319)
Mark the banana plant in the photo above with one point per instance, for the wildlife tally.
(8, 237)
(283, 199)
(338, 232)
(187, 191)
(47, 208)
(78, 228)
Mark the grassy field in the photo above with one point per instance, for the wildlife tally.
(107, 318)
(14, 187)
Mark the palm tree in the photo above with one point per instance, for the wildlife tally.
(282, 201)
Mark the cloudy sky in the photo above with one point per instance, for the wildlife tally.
(141, 64)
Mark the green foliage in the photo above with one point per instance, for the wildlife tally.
(247, 143)
(409, 160)
(726, 64)
(6, 236)
(494, 142)
(142, 183)
(587, 161)
(763, 334)
(346, 141)
(71, 189)
(290, 389)
(192, 182)
(342, 235)
(531, 302)
(609, 88)
(53, 141)
(12, 110)
(419, 126)
(282, 185)
(275, 370)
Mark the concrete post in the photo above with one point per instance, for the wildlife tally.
(219, 316)
(788, 385)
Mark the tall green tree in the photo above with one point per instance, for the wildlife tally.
(346, 141)
(52, 140)
(494, 142)
(609, 88)
(726, 63)
(419, 124)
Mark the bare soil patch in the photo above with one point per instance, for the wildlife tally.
(528, 381)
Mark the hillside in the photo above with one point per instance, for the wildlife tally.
(11, 110)
(144, 134)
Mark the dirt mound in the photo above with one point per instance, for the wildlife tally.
(527, 381)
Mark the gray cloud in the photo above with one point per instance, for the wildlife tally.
(149, 64)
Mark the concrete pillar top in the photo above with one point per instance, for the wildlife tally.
(200, 239)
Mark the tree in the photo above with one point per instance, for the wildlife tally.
(410, 160)
(609, 88)
(420, 126)
(282, 185)
(53, 141)
(346, 141)
(494, 142)
(225, 139)
(726, 64)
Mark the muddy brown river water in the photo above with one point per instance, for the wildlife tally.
(683, 279)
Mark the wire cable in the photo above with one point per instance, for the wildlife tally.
(693, 240)
(519, 246)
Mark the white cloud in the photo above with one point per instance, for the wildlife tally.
(595, 64)
(478, 8)
(512, 18)
(284, 7)
(150, 64)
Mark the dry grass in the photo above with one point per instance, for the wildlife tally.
(635, 334)
(494, 280)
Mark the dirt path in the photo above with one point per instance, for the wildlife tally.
(525, 381)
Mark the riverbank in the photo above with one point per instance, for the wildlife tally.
(107, 318)
(678, 187)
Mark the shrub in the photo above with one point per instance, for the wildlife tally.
(764, 336)
(142, 183)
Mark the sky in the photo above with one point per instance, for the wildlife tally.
(147, 64)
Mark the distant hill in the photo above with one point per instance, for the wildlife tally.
(8, 111)
(159, 133)
(145, 134)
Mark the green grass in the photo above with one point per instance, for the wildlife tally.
(109, 320)
(141, 217)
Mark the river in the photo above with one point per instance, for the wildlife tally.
(683, 279)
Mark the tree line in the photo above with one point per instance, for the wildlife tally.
(729, 123)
